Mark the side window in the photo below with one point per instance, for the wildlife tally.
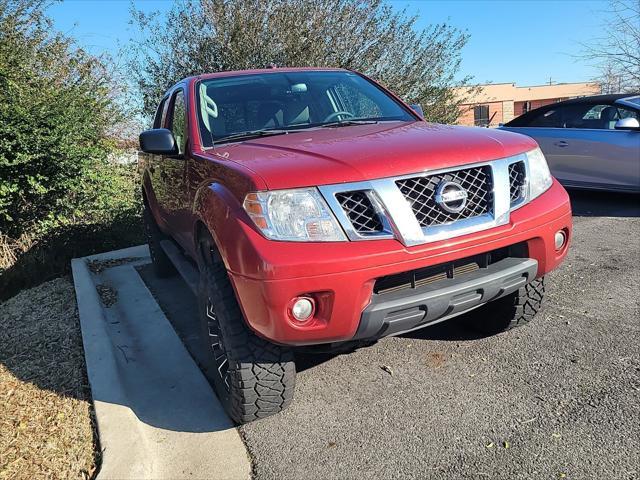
(626, 113)
(179, 121)
(548, 119)
(157, 120)
(599, 117)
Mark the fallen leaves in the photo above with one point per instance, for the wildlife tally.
(505, 444)
(108, 294)
(98, 266)
(435, 359)
(45, 424)
(387, 369)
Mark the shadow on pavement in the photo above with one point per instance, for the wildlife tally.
(180, 307)
(604, 204)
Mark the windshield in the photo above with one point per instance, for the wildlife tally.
(230, 106)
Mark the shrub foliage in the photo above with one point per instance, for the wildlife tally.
(370, 36)
(57, 114)
(55, 111)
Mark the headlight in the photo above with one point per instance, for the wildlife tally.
(299, 215)
(539, 175)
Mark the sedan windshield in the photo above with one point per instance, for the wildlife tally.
(290, 101)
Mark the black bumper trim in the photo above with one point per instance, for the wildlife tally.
(403, 311)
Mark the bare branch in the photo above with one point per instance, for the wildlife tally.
(365, 35)
(617, 55)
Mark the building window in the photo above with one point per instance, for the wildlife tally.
(481, 115)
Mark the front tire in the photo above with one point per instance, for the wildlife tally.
(512, 311)
(252, 377)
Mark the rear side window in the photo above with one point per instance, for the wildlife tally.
(549, 119)
(179, 121)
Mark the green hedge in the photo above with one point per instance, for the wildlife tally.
(59, 195)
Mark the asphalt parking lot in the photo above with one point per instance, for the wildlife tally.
(559, 398)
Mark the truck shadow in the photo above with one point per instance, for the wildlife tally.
(179, 305)
(604, 204)
(454, 330)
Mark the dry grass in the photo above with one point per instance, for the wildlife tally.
(45, 412)
(11, 249)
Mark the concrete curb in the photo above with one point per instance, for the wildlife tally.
(157, 416)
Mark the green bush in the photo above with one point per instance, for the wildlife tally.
(59, 195)
(55, 112)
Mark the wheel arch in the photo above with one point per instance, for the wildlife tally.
(214, 207)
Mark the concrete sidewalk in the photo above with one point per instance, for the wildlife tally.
(156, 414)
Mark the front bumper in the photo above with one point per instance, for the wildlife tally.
(398, 312)
(267, 275)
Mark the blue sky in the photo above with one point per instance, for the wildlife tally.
(522, 41)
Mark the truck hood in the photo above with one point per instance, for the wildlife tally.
(323, 156)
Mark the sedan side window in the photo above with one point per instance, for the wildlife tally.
(627, 113)
(549, 119)
(603, 117)
(179, 121)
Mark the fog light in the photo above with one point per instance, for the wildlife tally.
(303, 308)
(560, 239)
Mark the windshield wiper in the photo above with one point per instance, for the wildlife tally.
(346, 123)
(252, 134)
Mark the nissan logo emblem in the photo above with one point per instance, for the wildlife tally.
(451, 197)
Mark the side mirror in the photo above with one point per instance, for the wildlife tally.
(416, 107)
(629, 123)
(158, 141)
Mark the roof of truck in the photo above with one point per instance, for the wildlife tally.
(230, 73)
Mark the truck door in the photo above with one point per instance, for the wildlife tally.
(153, 180)
(173, 171)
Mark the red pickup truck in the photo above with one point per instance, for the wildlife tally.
(312, 207)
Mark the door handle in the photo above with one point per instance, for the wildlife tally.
(562, 143)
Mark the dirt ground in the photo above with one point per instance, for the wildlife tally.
(45, 411)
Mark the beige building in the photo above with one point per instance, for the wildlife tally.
(500, 102)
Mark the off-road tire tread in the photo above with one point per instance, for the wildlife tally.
(161, 262)
(527, 302)
(514, 310)
(262, 374)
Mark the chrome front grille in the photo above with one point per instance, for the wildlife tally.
(360, 211)
(420, 192)
(517, 182)
(432, 206)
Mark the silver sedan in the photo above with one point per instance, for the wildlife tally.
(589, 142)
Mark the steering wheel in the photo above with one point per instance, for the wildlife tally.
(333, 115)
